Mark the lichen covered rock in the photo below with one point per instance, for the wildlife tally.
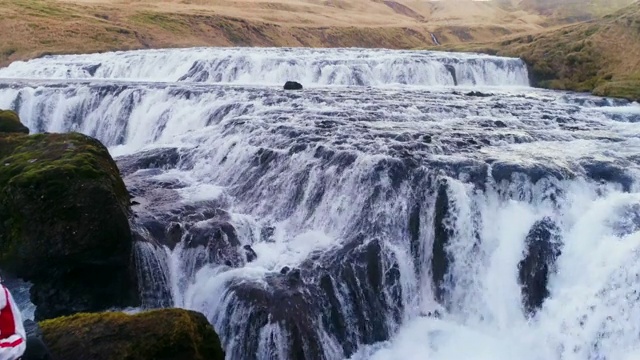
(10, 123)
(64, 223)
(159, 335)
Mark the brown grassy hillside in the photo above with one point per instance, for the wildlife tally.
(33, 27)
(601, 56)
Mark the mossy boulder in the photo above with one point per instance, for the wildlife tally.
(64, 223)
(10, 123)
(165, 334)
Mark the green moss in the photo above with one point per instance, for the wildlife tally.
(63, 218)
(158, 334)
(629, 89)
(10, 123)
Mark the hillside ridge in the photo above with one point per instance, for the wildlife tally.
(595, 55)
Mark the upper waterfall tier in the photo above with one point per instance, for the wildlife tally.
(271, 66)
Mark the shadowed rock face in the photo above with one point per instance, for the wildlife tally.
(442, 233)
(543, 246)
(341, 293)
(65, 228)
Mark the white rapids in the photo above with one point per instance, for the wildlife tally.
(355, 67)
(347, 184)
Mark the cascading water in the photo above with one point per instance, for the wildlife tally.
(354, 67)
(378, 222)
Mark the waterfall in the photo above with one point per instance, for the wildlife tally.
(381, 222)
(351, 67)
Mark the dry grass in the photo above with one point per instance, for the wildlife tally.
(600, 56)
(31, 28)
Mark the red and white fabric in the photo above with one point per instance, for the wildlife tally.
(12, 334)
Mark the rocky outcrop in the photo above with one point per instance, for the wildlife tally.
(64, 223)
(168, 334)
(543, 246)
(351, 293)
(10, 123)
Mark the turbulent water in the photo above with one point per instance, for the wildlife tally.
(405, 205)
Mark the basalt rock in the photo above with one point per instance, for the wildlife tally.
(543, 246)
(292, 85)
(441, 259)
(352, 293)
(64, 223)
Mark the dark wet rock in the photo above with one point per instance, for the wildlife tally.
(170, 334)
(432, 314)
(542, 247)
(174, 234)
(292, 308)
(150, 159)
(414, 234)
(266, 234)
(452, 70)
(32, 328)
(64, 228)
(441, 259)
(250, 254)
(608, 173)
(478, 94)
(294, 277)
(10, 123)
(353, 293)
(220, 240)
(504, 171)
(292, 85)
(367, 280)
(91, 69)
(499, 124)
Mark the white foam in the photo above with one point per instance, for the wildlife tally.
(291, 251)
(201, 192)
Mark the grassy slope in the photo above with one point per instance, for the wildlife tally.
(600, 56)
(31, 28)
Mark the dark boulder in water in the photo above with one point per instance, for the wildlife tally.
(292, 85)
(348, 293)
(170, 334)
(150, 159)
(543, 246)
(478, 94)
(609, 173)
(441, 259)
(250, 253)
(92, 69)
(65, 228)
